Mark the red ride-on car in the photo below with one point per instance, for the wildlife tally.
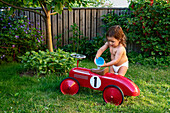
(114, 87)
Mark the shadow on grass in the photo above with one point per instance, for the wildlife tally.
(42, 94)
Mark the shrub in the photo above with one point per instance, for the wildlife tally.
(93, 45)
(84, 46)
(147, 26)
(45, 62)
(135, 57)
(17, 37)
(76, 42)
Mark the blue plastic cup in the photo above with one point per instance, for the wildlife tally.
(99, 61)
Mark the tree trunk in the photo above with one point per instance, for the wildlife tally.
(49, 36)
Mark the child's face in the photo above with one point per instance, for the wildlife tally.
(113, 41)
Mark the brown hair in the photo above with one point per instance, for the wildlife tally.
(117, 32)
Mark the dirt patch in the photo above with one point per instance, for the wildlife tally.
(31, 74)
(28, 73)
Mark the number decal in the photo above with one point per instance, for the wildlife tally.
(95, 82)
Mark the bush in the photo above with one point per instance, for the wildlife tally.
(84, 46)
(76, 42)
(154, 61)
(45, 62)
(94, 45)
(147, 26)
(17, 37)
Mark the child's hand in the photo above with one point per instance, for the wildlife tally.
(95, 59)
(104, 65)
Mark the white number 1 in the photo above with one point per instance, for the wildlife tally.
(95, 82)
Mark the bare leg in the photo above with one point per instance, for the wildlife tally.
(106, 69)
(122, 70)
(111, 69)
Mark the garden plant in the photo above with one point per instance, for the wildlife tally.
(45, 62)
(47, 6)
(80, 44)
(76, 42)
(17, 37)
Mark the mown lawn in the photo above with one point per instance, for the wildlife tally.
(41, 94)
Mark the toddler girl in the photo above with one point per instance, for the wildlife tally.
(116, 42)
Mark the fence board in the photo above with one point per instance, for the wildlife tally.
(99, 22)
(43, 26)
(25, 13)
(103, 30)
(60, 28)
(76, 17)
(93, 29)
(70, 23)
(37, 21)
(32, 22)
(54, 29)
(82, 22)
(89, 21)
(65, 27)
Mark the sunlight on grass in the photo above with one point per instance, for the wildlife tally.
(41, 94)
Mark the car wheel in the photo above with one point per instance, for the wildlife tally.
(69, 86)
(113, 94)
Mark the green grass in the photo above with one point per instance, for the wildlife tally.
(41, 94)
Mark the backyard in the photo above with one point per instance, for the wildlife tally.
(36, 46)
(41, 94)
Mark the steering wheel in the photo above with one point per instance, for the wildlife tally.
(79, 56)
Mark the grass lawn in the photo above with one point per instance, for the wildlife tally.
(35, 94)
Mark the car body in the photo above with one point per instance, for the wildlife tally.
(114, 87)
(107, 83)
(91, 80)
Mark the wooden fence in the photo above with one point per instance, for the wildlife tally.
(89, 21)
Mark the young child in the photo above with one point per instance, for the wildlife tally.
(116, 42)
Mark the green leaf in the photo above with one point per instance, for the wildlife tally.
(160, 53)
(152, 53)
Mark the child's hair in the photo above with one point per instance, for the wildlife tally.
(117, 32)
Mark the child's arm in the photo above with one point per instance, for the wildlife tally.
(101, 50)
(118, 56)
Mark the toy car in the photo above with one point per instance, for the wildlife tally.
(114, 87)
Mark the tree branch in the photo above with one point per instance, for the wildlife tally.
(21, 8)
(53, 13)
(43, 8)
